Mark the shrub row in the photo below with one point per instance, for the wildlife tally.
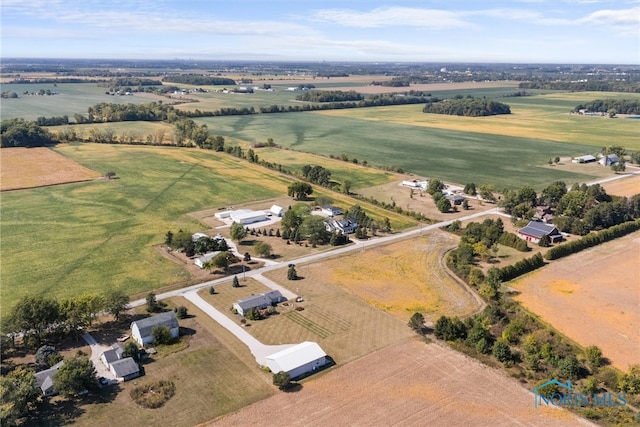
(511, 240)
(593, 239)
(521, 267)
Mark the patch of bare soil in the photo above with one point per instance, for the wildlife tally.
(37, 167)
(409, 384)
(625, 187)
(592, 297)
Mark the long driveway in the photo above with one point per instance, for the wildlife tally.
(259, 350)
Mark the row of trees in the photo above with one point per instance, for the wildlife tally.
(22, 133)
(474, 107)
(36, 318)
(329, 96)
(582, 86)
(619, 106)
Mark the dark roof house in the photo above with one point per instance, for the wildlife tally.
(534, 231)
(261, 301)
(44, 379)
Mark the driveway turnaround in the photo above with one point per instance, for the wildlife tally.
(260, 351)
(96, 352)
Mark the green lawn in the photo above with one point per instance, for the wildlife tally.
(456, 156)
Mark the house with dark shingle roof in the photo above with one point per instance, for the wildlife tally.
(141, 329)
(113, 354)
(534, 231)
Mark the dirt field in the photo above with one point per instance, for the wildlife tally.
(401, 278)
(592, 297)
(410, 383)
(624, 187)
(37, 167)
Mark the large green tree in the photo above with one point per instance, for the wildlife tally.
(18, 395)
(74, 376)
(300, 190)
(32, 316)
(314, 229)
(115, 302)
(21, 133)
(237, 231)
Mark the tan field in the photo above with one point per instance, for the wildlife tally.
(625, 187)
(37, 167)
(592, 297)
(409, 384)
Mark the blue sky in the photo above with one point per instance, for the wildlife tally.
(558, 31)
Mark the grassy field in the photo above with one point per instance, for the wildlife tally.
(88, 237)
(455, 156)
(72, 98)
(62, 240)
(543, 117)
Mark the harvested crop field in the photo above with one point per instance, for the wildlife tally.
(625, 187)
(37, 167)
(592, 297)
(409, 383)
(400, 278)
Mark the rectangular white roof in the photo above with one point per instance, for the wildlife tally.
(293, 357)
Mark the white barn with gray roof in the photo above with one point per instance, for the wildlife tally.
(141, 329)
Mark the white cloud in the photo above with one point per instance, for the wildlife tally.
(391, 17)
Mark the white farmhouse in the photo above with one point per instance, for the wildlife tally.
(201, 261)
(298, 360)
(141, 329)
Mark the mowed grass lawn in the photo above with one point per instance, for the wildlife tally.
(88, 237)
(345, 326)
(215, 375)
(452, 155)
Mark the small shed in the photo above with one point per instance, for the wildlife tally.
(125, 369)
(141, 329)
(331, 210)
(201, 261)
(587, 158)
(113, 354)
(276, 210)
(298, 360)
(609, 159)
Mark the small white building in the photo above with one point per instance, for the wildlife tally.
(201, 261)
(276, 210)
(609, 159)
(298, 360)
(341, 226)
(247, 216)
(223, 215)
(125, 369)
(331, 210)
(587, 158)
(141, 329)
(113, 354)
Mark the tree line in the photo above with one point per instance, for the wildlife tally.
(618, 106)
(469, 107)
(591, 85)
(329, 96)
